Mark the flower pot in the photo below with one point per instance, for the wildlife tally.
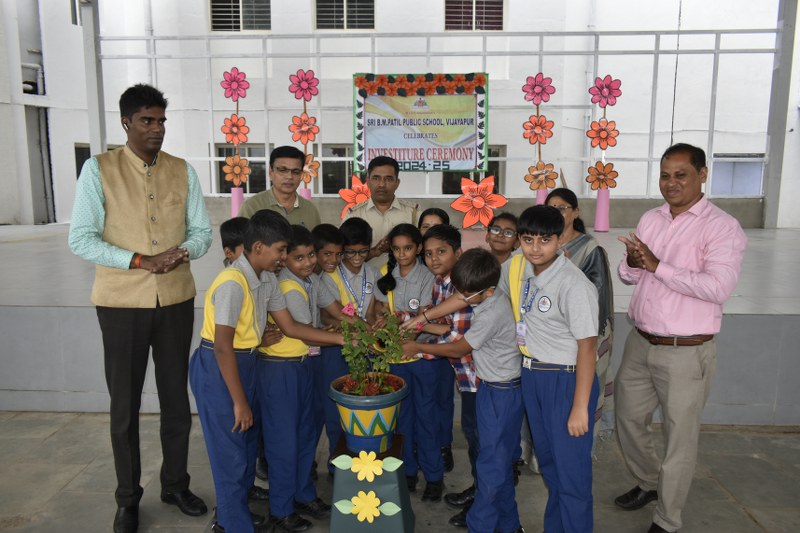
(368, 421)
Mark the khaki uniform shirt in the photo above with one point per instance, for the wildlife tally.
(303, 212)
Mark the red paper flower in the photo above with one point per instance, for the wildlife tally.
(355, 195)
(360, 82)
(304, 128)
(602, 176)
(538, 89)
(538, 129)
(480, 80)
(542, 176)
(477, 201)
(603, 133)
(235, 84)
(304, 85)
(236, 170)
(235, 129)
(310, 169)
(605, 91)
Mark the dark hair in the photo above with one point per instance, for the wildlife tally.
(476, 270)
(444, 232)
(300, 237)
(267, 227)
(435, 211)
(286, 151)
(232, 232)
(356, 231)
(569, 197)
(325, 234)
(383, 160)
(388, 283)
(139, 96)
(505, 215)
(541, 220)
(696, 155)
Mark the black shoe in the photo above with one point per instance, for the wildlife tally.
(187, 502)
(262, 471)
(447, 457)
(520, 530)
(127, 519)
(412, 483)
(294, 523)
(462, 499)
(636, 498)
(460, 519)
(433, 491)
(655, 528)
(315, 509)
(258, 494)
(257, 519)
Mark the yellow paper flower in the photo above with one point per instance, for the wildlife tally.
(366, 505)
(367, 467)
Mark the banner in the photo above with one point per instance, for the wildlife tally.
(427, 122)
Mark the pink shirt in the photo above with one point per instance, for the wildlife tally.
(700, 253)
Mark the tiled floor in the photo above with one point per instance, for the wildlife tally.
(58, 477)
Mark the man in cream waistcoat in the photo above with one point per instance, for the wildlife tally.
(139, 216)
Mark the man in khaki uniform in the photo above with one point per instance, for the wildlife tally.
(383, 210)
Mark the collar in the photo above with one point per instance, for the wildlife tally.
(696, 210)
(130, 153)
(552, 271)
(276, 202)
(288, 274)
(350, 276)
(395, 204)
(244, 265)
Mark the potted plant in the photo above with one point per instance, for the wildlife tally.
(369, 397)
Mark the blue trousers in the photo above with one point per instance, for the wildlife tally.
(445, 401)
(469, 426)
(232, 454)
(320, 396)
(565, 461)
(417, 422)
(333, 366)
(499, 414)
(285, 394)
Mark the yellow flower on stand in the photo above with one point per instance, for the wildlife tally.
(367, 467)
(366, 505)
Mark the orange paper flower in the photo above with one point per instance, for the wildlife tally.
(358, 193)
(304, 128)
(236, 170)
(602, 176)
(538, 129)
(603, 133)
(310, 169)
(235, 129)
(542, 176)
(477, 201)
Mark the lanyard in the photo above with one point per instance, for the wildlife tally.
(524, 308)
(352, 292)
(309, 288)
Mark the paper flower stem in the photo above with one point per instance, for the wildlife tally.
(539, 150)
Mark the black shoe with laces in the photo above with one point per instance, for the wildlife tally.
(188, 502)
(433, 491)
(293, 523)
(462, 499)
(317, 509)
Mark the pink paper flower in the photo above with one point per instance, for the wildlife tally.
(304, 85)
(605, 91)
(538, 89)
(235, 84)
(349, 309)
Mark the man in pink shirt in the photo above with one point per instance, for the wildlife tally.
(684, 259)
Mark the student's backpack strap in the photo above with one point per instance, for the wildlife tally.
(390, 296)
(515, 272)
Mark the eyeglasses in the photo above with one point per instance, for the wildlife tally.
(507, 233)
(362, 253)
(562, 208)
(466, 299)
(283, 171)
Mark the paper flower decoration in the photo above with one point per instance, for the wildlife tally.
(367, 466)
(358, 193)
(310, 169)
(365, 505)
(236, 170)
(602, 176)
(478, 201)
(605, 91)
(603, 133)
(304, 128)
(538, 129)
(542, 176)
(235, 129)
(235, 84)
(538, 89)
(304, 85)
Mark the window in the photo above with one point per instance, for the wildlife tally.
(451, 181)
(238, 15)
(345, 14)
(473, 14)
(336, 174)
(83, 152)
(737, 178)
(256, 181)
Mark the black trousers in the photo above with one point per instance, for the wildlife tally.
(128, 335)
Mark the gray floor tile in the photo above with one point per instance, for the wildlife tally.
(777, 520)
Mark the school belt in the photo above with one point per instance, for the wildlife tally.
(205, 343)
(512, 384)
(533, 364)
(688, 340)
(276, 359)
